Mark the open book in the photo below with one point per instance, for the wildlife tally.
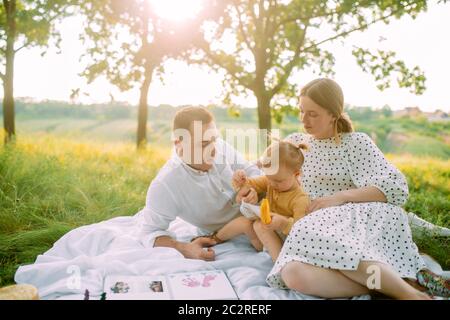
(198, 285)
(250, 211)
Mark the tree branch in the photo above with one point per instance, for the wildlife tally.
(290, 65)
(231, 72)
(49, 20)
(6, 5)
(251, 6)
(345, 33)
(241, 27)
(23, 46)
(216, 60)
(56, 13)
(301, 18)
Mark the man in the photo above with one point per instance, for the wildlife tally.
(195, 185)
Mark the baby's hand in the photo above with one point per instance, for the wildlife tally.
(278, 222)
(239, 179)
(247, 194)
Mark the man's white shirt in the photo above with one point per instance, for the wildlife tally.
(204, 199)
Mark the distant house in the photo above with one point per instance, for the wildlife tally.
(409, 112)
(413, 112)
(438, 115)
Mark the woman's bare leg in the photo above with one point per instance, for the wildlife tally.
(238, 226)
(270, 239)
(316, 281)
(389, 281)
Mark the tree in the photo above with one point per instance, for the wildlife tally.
(274, 39)
(128, 43)
(24, 23)
(386, 111)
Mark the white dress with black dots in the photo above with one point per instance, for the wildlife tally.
(340, 237)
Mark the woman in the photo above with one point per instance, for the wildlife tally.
(356, 236)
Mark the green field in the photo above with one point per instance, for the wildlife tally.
(117, 123)
(50, 185)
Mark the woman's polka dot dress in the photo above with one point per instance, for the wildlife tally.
(340, 237)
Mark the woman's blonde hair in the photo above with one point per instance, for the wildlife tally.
(289, 154)
(328, 94)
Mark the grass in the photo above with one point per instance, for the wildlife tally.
(49, 185)
(424, 146)
(429, 187)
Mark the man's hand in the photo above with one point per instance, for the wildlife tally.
(248, 195)
(199, 249)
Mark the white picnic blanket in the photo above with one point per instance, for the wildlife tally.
(82, 258)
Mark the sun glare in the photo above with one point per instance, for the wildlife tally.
(176, 9)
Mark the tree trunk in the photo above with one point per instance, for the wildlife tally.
(264, 117)
(262, 98)
(8, 79)
(143, 109)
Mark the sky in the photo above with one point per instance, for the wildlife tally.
(419, 42)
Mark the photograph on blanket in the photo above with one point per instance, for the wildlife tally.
(201, 285)
(271, 150)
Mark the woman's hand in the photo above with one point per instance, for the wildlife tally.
(326, 202)
(278, 222)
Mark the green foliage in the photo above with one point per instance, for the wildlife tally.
(35, 22)
(275, 39)
(384, 67)
(429, 185)
(49, 186)
(127, 42)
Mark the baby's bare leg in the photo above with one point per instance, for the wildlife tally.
(269, 239)
(238, 226)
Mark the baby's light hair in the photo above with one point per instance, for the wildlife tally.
(290, 155)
